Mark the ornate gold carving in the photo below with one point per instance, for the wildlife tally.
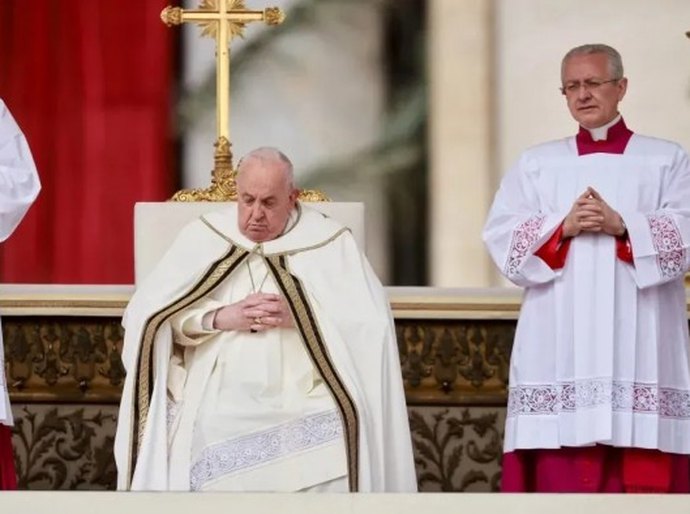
(443, 361)
(274, 16)
(223, 187)
(455, 362)
(75, 360)
(171, 16)
(312, 195)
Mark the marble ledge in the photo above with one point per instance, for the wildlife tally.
(107, 502)
(406, 302)
(110, 300)
(64, 300)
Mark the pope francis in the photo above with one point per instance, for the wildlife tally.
(261, 355)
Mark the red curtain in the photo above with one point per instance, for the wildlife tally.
(89, 82)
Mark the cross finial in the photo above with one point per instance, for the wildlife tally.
(221, 20)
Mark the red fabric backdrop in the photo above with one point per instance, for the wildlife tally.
(89, 82)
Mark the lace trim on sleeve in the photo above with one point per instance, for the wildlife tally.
(524, 237)
(668, 244)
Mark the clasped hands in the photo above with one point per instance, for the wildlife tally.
(258, 312)
(590, 213)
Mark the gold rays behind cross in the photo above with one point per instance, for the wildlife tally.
(221, 20)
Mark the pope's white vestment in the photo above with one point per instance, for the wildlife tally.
(19, 187)
(320, 406)
(601, 352)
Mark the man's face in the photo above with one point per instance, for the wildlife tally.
(592, 101)
(265, 200)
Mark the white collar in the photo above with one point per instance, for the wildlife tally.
(600, 133)
(309, 229)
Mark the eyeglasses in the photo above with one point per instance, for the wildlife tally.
(572, 88)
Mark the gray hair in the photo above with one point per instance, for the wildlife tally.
(270, 155)
(614, 58)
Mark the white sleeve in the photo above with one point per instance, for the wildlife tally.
(190, 326)
(660, 238)
(19, 182)
(517, 226)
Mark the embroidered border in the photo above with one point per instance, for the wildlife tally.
(315, 345)
(668, 244)
(213, 277)
(260, 448)
(551, 399)
(524, 237)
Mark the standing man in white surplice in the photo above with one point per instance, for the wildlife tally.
(596, 228)
(261, 355)
(19, 187)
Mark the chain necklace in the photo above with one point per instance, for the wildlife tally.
(292, 221)
(251, 278)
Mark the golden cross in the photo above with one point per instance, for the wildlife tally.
(222, 20)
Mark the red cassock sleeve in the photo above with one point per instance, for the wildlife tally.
(624, 248)
(555, 250)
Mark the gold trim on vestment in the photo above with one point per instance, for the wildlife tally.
(218, 232)
(213, 277)
(318, 245)
(316, 347)
(289, 252)
(291, 223)
(306, 326)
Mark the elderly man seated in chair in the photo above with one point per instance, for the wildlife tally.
(261, 355)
